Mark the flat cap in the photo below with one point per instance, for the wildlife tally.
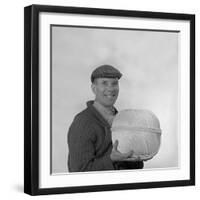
(105, 71)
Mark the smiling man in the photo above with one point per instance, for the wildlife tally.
(89, 136)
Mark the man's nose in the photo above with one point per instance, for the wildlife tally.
(111, 87)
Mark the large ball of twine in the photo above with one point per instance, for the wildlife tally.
(137, 130)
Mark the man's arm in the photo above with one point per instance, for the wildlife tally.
(120, 159)
(81, 142)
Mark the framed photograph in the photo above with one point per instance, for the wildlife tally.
(109, 99)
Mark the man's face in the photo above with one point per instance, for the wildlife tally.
(106, 90)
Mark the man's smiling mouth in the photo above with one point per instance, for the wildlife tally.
(110, 96)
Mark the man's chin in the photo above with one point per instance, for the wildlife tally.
(109, 104)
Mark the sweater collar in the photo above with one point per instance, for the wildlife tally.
(97, 114)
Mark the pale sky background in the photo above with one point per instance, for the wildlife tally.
(148, 61)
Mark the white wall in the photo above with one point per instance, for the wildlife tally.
(148, 61)
(11, 101)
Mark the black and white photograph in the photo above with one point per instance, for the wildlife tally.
(109, 95)
(100, 99)
(114, 99)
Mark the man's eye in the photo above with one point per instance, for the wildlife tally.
(104, 83)
(115, 84)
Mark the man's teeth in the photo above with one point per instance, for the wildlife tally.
(109, 96)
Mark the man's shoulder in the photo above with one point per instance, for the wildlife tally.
(85, 116)
(82, 121)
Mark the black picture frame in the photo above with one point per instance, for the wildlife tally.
(32, 106)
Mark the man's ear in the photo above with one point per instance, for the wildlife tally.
(93, 87)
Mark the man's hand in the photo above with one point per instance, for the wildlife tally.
(117, 155)
(147, 158)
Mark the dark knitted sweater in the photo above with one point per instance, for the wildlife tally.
(90, 144)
